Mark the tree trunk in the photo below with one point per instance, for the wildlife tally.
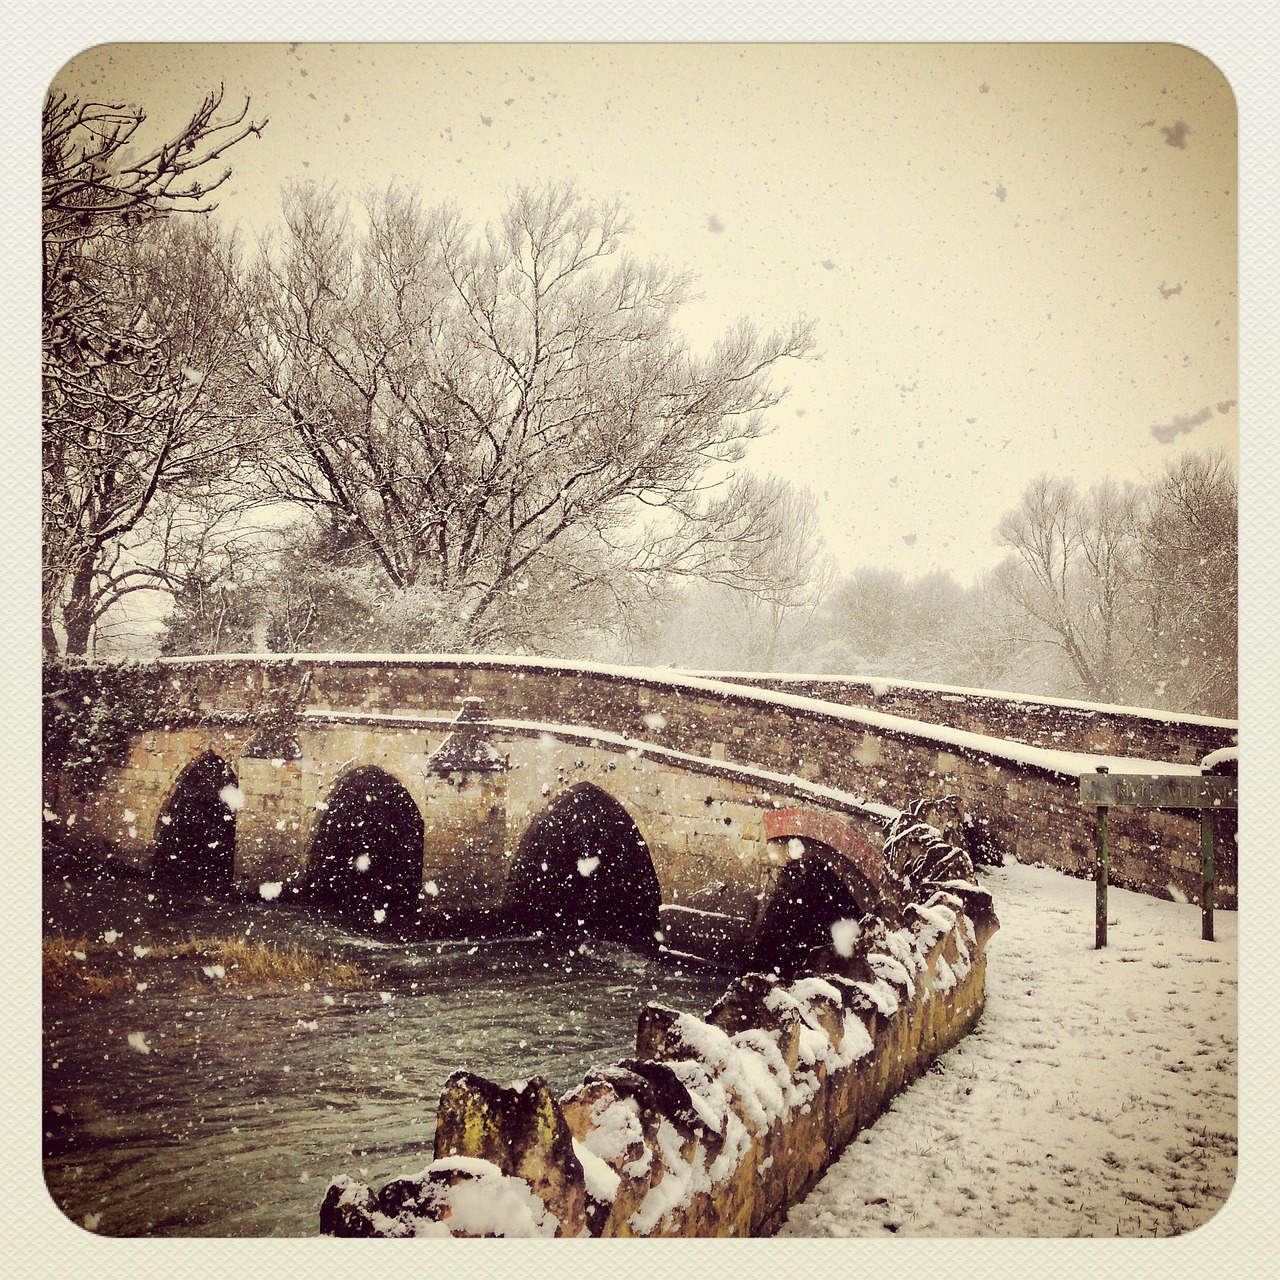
(48, 636)
(77, 612)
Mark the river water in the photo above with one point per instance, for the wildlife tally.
(225, 1112)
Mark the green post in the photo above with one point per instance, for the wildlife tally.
(1206, 854)
(1100, 902)
(1100, 875)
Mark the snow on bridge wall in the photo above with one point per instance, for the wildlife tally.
(717, 1125)
(1055, 723)
(642, 736)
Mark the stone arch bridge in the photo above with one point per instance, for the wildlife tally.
(467, 792)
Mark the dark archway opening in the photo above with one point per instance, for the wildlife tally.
(583, 869)
(195, 836)
(809, 899)
(366, 858)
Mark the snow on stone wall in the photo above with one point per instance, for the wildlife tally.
(717, 1125)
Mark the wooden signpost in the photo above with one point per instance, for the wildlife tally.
(1104, 790)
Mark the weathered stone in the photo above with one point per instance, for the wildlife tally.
(522, 1132)
(745, 1004)
(348, 1209)
(742, 1004)
(663, 1092)
(467, 749)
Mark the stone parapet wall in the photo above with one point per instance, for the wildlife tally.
(717, 1126)
(1055, 723)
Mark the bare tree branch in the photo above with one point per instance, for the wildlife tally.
(493, 412)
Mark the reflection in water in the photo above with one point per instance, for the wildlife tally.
(244, 1105)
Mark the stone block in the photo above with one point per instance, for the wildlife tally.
(521, 1131)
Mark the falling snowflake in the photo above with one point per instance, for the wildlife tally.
(232, 797)
(587, 865)
(138, 1041)
(270, 889)
(655, 720)
(110, 936)
(379, 915)
(844, 933)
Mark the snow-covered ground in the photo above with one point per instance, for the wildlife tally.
(1097, 1096)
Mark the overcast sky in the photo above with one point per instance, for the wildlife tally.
(1020, 258)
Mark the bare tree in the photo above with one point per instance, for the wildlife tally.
(757, 618)
(138, 329)
(991, 649)
(878, 622)
(793, 576)
(509, 422)
(151, 456)
(1074, 571)
(1189, 572)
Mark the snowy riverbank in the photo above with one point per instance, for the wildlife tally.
(1096, 1097)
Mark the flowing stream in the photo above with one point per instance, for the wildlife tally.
(221, 1111)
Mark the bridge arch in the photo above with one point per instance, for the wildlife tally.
(583, 868)
(816, 888)
(365, 856)
(194, 843)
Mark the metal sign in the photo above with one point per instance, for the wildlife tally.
(1159, 791)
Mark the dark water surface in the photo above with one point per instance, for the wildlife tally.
(247, 1104)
